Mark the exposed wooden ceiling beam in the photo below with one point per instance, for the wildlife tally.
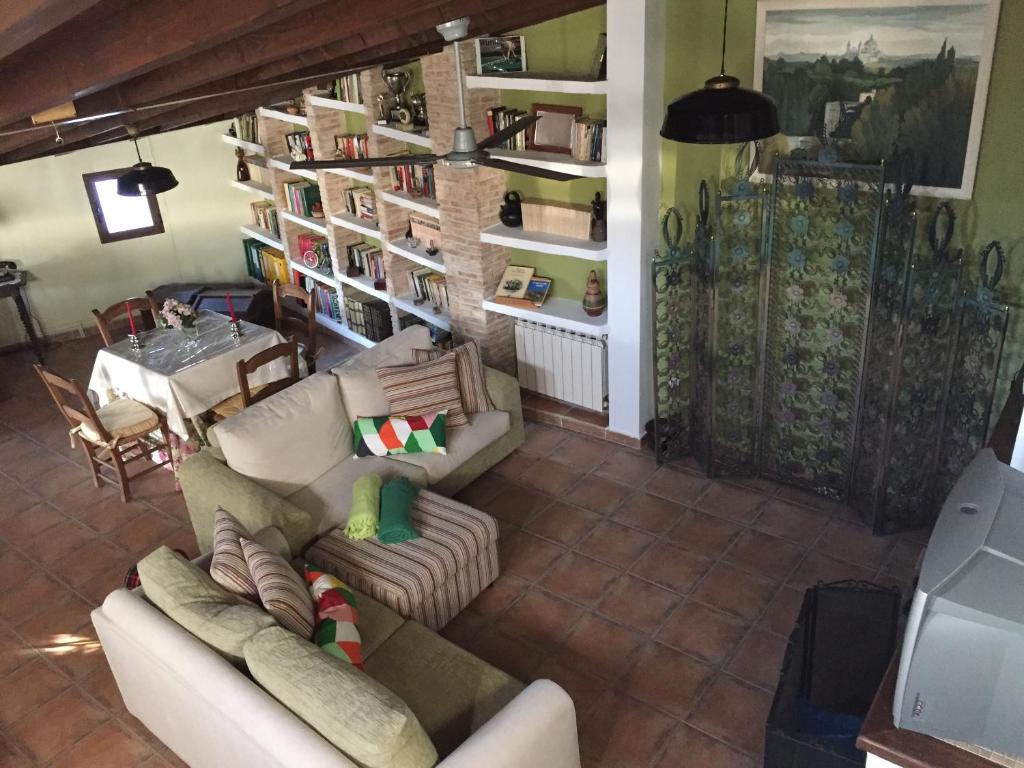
(77, 59)
(22, 21)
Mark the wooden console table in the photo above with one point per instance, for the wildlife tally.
(14, 289)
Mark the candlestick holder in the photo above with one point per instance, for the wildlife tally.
(134, 343)
(236, 330)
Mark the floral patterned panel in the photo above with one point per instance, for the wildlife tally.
(821, 254)
(702, 279)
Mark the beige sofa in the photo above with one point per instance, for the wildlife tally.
(288, 461)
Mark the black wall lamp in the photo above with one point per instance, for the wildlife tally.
(144, 179)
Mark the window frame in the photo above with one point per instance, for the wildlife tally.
(106, 236)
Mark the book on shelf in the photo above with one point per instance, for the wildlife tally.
(361, 203)
(264, 216)
(430, 286)
(315, 253)
(589, 142)
(352, 146)
(299, 144)
(502, 117)
(346, 88)
(439, 336)
(326, 298)
(263, 262)
(367, 259)
(247, 127)
(520, 287)
(414, 180)
(367, 315)
(303, 198)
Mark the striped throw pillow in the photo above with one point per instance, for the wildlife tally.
(472, 381)
(282, 591)
(227, 566)
(412, 390)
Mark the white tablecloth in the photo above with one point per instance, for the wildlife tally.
(180, 380)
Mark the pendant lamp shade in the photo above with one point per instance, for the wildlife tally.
(145, 179)
(721, 112)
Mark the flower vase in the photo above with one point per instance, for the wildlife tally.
(594, 302)
(191, 334)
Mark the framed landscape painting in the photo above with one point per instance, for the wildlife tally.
(903, 81)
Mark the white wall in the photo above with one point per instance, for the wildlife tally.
(46, 226)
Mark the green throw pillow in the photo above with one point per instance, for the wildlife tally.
(387, 435)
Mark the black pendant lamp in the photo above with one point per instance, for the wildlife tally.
(721, 112)
(144, 179)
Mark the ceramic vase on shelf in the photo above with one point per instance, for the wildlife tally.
(511, 213)
(599, 227)
(594, 302)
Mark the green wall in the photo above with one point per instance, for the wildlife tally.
(694, 29)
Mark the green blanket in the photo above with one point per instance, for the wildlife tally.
(364, 518)
(396, 498)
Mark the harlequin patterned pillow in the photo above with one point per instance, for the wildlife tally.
(336, 616)
(388, 435)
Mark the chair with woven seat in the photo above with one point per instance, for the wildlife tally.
(145, 306)
(289, 325)
(247, 394)
(113, 436)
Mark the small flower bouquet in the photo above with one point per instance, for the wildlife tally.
(177, 314)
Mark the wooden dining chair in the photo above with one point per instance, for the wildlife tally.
(145, 306)
(247, 394)
(113, 436)
(289, 325)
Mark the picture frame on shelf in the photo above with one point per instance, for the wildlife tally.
(554, 130)
(498, 55)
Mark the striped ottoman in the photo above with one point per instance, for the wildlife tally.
(429, 579)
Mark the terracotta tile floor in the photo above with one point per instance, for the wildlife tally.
(658, 599)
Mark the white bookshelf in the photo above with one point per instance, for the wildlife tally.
(249, 146)
(552, 161)
(265, 236)
(397, 133)
(285, 117)
(539, 82)
(314, 225)
(320, 277)
(424, 311)
(325, 102)
(259, 190)
(559, 312)
(354, 223)
(515, 237)
(418, 255)
(283, 163)
(347, 332)
(364, 284)
(423, 205)
(354, 173)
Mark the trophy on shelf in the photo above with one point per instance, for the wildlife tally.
(391, 106)
(418, 103)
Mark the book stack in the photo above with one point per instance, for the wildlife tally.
(264, 215)
(588, 139)
(502, 117)
(300, 145)
(368, 259)
(367, 316)
(430, 286)
(360, 202)
(347, 88)
(353, 146)
(315, 253)
(521, 287)
(327, 299)
(414, 180)
(301, 197)
(263, 262)
(247, 127)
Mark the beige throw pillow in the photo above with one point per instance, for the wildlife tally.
(227, 566)
(281, 590)
(472, 382)
(413, 390)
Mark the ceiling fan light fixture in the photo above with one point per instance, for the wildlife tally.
(454, 30)
(144, 179)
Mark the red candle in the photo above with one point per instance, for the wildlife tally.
(231, 308)
(131, 318)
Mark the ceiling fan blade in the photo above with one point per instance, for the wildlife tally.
(365, 162)
(506, 133)
(529, 170)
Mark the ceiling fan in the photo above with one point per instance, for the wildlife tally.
(467, 152)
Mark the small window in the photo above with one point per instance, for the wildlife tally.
(120, 218)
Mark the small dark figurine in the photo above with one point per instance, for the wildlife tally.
(599, 229)
(241, 170)
(511, 213)
(317, 210)
(432, 250)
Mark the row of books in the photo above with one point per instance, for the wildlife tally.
(315, 253)
(368, 259)
(302, 198)
(263, 262)
(264, 215)
(502, 117)
(430, 286)
(247, 127)
(361, 202)
(367, 315)
(353, 146)
(414, 180)
(300, 145)
(589, 139)
(346, 88)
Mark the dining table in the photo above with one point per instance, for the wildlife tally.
(184, 373)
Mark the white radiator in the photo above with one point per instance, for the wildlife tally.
(562, 364)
